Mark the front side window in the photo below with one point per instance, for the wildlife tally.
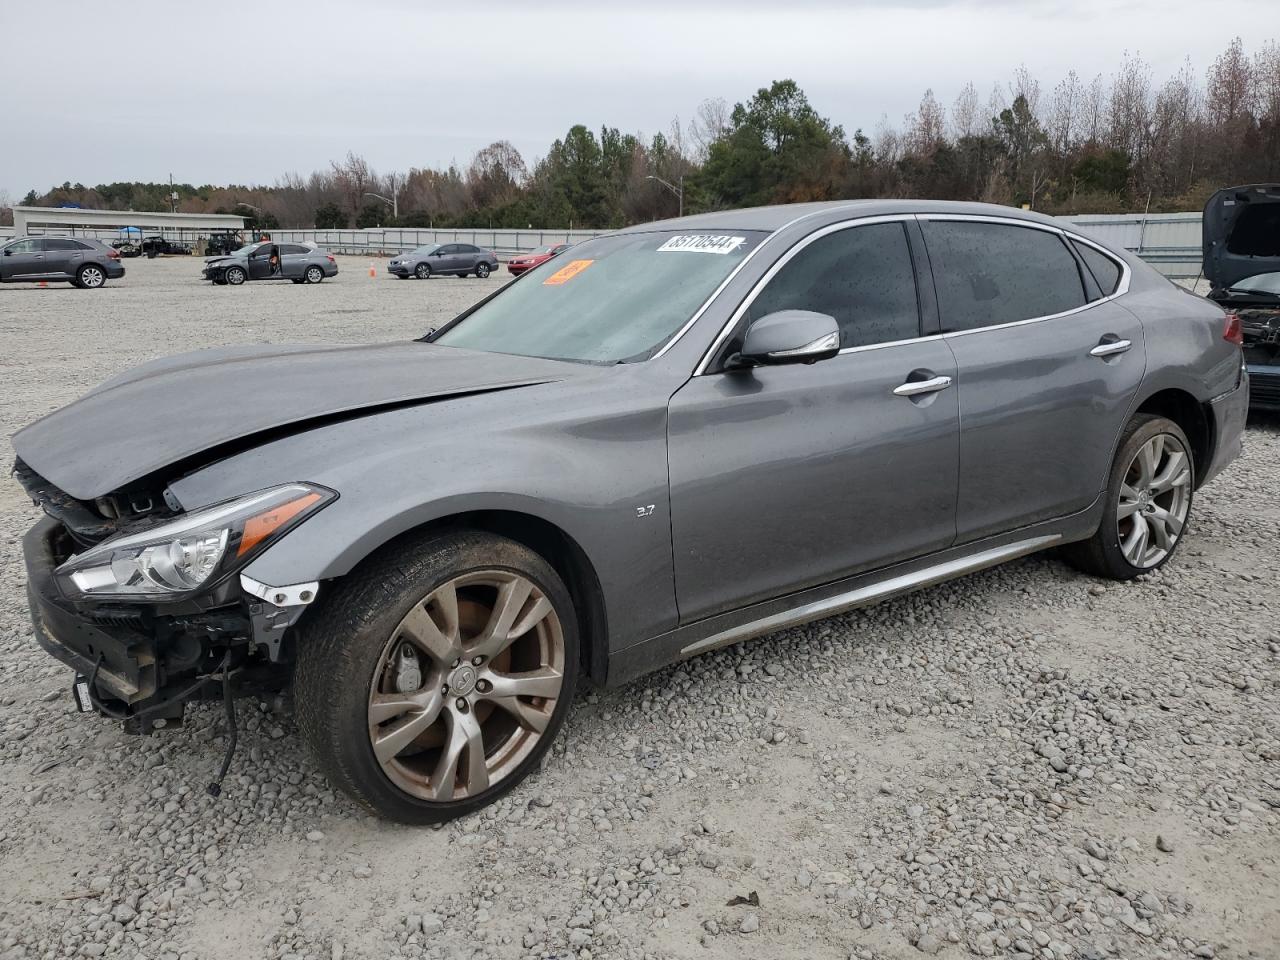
(861, 276)
(993, 273)
(612, 299)
(25, 246)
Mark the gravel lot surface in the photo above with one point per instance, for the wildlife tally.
(1023, 763)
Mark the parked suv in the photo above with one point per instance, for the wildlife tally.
(457, 259)
(78, 260)
(673, 438)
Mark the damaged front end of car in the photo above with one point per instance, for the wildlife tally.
(148, 603)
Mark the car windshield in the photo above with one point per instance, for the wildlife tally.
(612, 299)
(1267, 284)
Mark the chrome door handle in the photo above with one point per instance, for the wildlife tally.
(914, 388)
(1110, 348)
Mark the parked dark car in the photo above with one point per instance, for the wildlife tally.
(527, 261)
(444, 259)
(159, 246)
(1242, 263)
(79, 260)
(686, 434)
(271, 260)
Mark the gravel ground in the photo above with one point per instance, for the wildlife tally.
(1023, 763)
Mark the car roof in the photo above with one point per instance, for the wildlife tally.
(775, 217)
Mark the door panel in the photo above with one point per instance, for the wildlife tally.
(786, 477)
(23, 260)
(62, 257)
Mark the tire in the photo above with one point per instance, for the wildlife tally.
(90, 276)
(358, 646)
(313, 274)
(482, 270)
(422, 271)
(235, 276)
(1150, 488)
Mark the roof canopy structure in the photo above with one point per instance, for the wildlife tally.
(75, 220)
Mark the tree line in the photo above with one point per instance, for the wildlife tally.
(1103, 145)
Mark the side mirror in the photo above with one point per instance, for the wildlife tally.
(790, 336)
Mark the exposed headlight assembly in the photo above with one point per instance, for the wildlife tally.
(192, 551)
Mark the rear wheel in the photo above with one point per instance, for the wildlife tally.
(90, 276)
(422, 271)
(434, 680)
(1149, 496)
(235, 276)
(482, 270)
(313, 275)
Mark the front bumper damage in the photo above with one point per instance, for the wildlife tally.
(145, 661)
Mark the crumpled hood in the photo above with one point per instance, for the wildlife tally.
(171, 410)
(1241, 234)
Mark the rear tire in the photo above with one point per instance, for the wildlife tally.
(1148, 503)
(482, 270)
(90, 276)
(313, 274)
(434, 678)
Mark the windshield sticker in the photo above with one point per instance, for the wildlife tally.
(702, 244)
(567, 272)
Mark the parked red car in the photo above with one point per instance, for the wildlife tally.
(527, 261)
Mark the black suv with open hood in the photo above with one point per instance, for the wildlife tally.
(1242, 262)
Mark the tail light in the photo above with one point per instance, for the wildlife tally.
(1232, 332)
(330, 259)
(113, 254)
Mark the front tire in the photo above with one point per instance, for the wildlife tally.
(235, 276)
(434, 679)
(422, 271)
(1149, 494)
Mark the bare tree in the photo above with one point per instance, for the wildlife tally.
(710, 122)
(926, 128)
(1093, 110)
(352, 177)
(966, 119)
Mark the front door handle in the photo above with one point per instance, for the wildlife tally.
(1109, 348)
(913, 388)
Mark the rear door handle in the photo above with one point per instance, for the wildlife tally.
(914, 388)
(1108, 348)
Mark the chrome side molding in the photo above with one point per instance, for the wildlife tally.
(864, 596)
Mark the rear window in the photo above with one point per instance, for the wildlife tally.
(987, 274)
(1105, 270)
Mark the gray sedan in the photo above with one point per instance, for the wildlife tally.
(444, 259)
(670, 439)
(269, 260)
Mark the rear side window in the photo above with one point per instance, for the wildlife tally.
(862, 276)
(58, 243)
(992, 273)
(467, 248)
(1105, 270)
(292, 250)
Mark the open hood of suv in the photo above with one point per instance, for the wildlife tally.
(1241, 235)
(203, 405)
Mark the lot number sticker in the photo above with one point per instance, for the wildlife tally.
(567, 272)
(699, 243)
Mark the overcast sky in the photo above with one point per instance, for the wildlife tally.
(222, 91)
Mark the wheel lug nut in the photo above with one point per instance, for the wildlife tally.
(476, 661)
(484, 686)
(444, 689)
(456, 662)
(461, 705)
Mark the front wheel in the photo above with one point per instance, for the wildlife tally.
(1149, 496)
(235, 276)
(422, 271)
(434, 679)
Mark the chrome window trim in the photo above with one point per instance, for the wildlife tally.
(733, 273)
(701, 368)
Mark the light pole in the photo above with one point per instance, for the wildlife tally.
(393, 201)
(678, 191)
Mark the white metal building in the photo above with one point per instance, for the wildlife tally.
(78, 221)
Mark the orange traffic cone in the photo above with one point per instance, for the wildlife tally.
(43, 283)
(372, 270)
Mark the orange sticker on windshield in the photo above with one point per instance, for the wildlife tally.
(567, 272)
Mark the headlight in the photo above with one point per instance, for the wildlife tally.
(194, 550)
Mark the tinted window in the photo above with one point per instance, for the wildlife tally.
(447, 249)
(991, 273)
(861, 276)
(58, 243)
(1105, 270)
(467, 248)
(292, 249)
(25, 246)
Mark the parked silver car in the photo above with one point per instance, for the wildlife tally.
(444, 259)
(271, 260)
(81, 261)
(670, 439)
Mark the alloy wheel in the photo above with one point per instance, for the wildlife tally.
(92, 277)
(314, 275)
(466, 685)
(1155, 497)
